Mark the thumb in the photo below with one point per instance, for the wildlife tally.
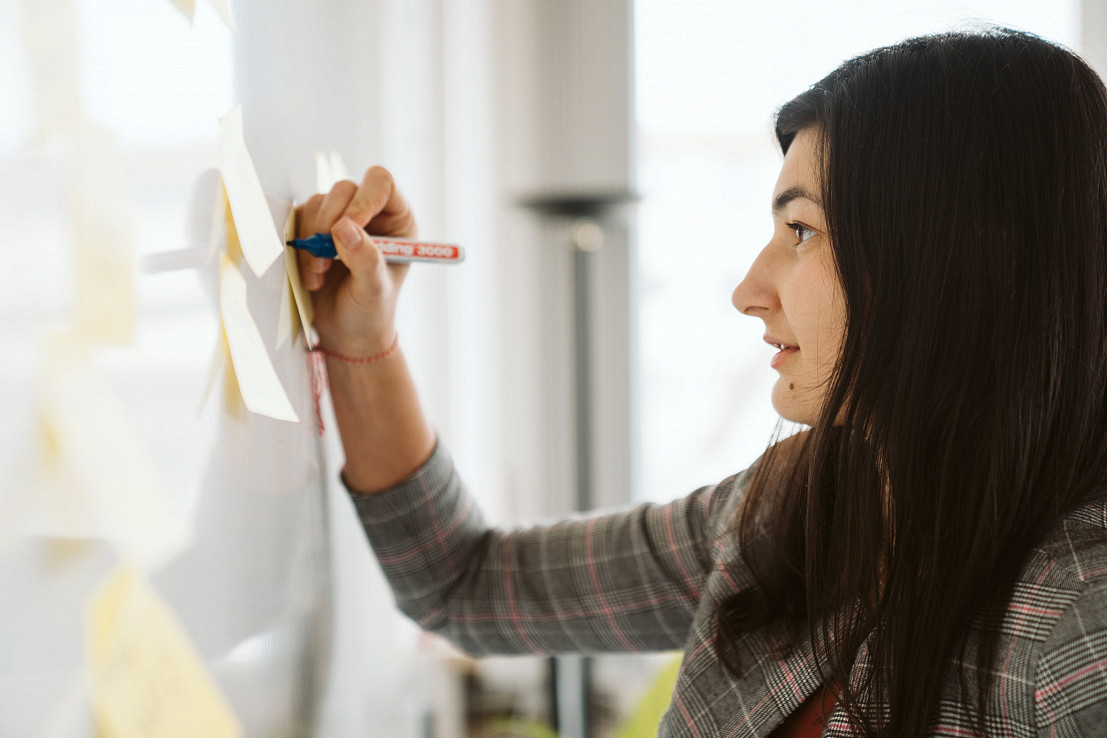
(355, 248)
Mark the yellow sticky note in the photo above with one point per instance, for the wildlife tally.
(145, 678)
(233, 404)
(102, 226)
(110, 488)
(261, 244)
(256, 378)
(300, 295)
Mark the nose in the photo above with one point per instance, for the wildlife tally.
(755, 295)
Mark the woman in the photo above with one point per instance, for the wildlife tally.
(930, 557)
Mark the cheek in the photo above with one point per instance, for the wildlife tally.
(832, 324)
(817, 313)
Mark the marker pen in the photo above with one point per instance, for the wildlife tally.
(395, 250)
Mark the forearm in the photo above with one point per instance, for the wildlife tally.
(628, 581)
(384, 433)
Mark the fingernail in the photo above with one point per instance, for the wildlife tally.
(347, 234)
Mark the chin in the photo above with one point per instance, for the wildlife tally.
(789, 406)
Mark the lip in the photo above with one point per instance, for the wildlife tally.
(785, 351)
(781, 356)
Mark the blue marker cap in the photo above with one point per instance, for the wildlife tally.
(321, 245)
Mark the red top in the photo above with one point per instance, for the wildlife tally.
(810, 718)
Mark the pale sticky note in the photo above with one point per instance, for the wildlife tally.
(217, 227)
(234, 406)
(187, 7)
(233, 245)
(288, 320)
(303, 307)
(329, 169)
(221, 360)
(338, 167)
(219, 357)
(97, 480)
(261, 244)
(146, 680)
(102, 225)
(59, 506)
(223, 10)
(323, 179)
(285, 322)
(257, 379)
(51, 37)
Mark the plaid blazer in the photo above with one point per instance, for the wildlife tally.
(649, 579)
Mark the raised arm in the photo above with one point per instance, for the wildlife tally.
(384, 432)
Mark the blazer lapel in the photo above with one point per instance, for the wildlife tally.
(773, 688)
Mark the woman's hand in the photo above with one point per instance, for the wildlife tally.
(354, 299)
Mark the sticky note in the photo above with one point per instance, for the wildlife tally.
(338, 167)
(329, 169)
(292, 267)
(233, 244)
(51, 44)
(285, 320)
(145, 678)
(187, 7)
(102, 231)
(261, 244)
(234, 406)
(219, 356)
(323, 179)
(254, 374)
(218, 224)
(223, 10)
(59, 506)
(288, 320)
(97, 480)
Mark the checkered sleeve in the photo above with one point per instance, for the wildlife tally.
(1070, 690)
(626, 581)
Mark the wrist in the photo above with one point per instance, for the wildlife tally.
(361, 354)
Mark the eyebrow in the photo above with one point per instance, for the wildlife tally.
(792, 193)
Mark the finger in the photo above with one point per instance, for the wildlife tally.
(379, 205)
(305, 218)
(357, 251)
(334, 205)
(330, 208)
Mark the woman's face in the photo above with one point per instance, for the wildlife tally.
(793, 286)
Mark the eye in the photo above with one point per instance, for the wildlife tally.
(803, 233)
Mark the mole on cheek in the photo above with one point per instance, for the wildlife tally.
(791, 386)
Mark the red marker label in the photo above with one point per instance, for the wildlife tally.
(395, 249)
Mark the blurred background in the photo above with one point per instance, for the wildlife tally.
(607, 164)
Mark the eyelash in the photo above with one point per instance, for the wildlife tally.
(800, 228)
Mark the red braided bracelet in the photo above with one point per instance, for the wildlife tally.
(367, 360)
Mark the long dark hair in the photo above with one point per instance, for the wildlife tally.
(964, 183)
